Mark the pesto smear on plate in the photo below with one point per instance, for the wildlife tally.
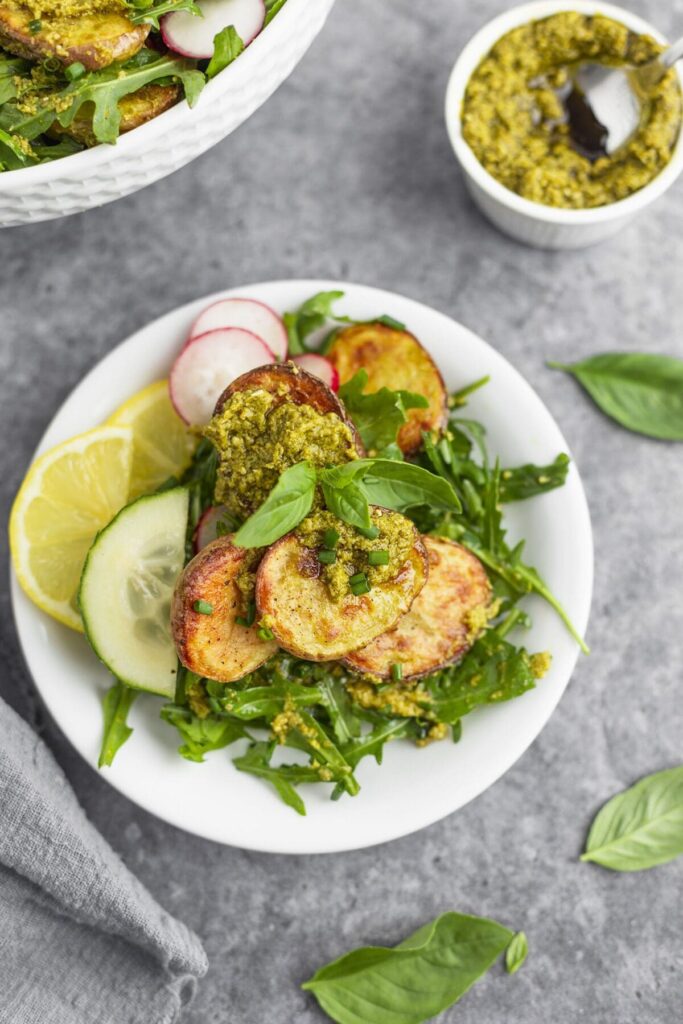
(514, 120)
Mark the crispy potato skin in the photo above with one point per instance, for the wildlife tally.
(308, 623)
(214, 645)
(396, 360)
(93, 39)
(136, 109)
(292, 384)
(435, 632)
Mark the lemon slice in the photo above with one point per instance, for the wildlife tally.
(70, 493)
(163, 445)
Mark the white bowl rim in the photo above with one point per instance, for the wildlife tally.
(82, 165)
(477, 48)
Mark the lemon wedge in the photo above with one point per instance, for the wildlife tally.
(163, 446)
(69, 494)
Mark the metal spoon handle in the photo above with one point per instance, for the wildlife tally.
(672, 54)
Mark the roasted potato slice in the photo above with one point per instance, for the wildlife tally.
(296, 604)
(136, 109)
(215, 645)
(396, 360)
(95, 40)
(291, 384)
(443, 622)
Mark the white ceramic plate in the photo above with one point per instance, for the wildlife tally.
(413, 787)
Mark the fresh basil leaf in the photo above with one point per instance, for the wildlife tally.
(117, 703)
(414, 981)
(201, 735)
(641, 391)
(310, 317)
(516, 953)
(227, 46)
(522, 482)
(401, 485)
(641, 827)
(288, 503)
(348, 503)
(378, 415)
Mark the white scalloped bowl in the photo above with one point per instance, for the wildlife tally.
(174, 138)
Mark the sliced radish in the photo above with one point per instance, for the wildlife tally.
(207, 527)
(191, 36)
(249, 314)
(320, 367)
(207, 365)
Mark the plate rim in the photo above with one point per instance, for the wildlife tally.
(398, 830)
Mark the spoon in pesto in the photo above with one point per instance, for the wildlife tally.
(605, 105)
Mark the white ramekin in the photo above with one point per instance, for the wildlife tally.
(545, 227)
(104, 173)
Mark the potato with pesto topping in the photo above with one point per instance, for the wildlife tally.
(443, 622)
(307, 612)
(396, 360)
(208, 601)
(268, 420)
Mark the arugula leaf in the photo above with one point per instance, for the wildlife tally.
(414, 981)
(337, 703)
(13, 155)
(516, 953)
(255, 702)
(288, 503)
(379, 415)
(117, 702)
(272, 8)
(256, 761)
(227, 46)
(200, 480)
(640, 827)
(202, 735)
(312, 315)
(144, 13)
(522, 482)
(641, 391)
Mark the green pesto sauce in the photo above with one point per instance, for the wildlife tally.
(396, 536)
(515, 123)
(257, 436)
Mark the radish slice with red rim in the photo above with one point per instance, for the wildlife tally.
(248, 314)
(192, 36)
(207, 365)
(207, 527)
(320, 367)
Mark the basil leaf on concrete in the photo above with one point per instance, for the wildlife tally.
(641, 827)
(287, 504)
(416, 980)
(641, 391)
(117, 703)
(378, 415)
(516, 953)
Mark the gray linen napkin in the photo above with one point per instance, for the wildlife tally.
(81, 939)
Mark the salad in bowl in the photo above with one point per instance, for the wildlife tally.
(296, 542)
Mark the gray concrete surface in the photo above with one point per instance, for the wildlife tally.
(347, 173)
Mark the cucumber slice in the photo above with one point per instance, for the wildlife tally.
(126, 589)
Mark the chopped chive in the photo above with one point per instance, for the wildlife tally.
(378, 558)
(35, 26)
(265, 634)
(74, 71)
(359, 584)
(330, 538)
(327, 557)
(358, 577)
(52, 64)
(371, 532)
(203, 607)
(241, 621)
(396, 671)
(250, 617)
